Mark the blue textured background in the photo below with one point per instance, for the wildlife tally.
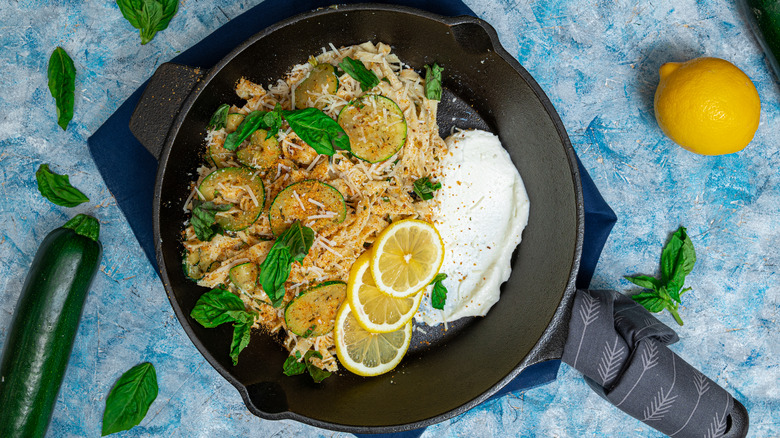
(598, 63)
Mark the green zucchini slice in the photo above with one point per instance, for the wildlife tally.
(219, 156)
(260, 153)
(322, 78)
(313, 312)
(233, 120)
(196, 265)
(244, 276)
(313, 202)
(228, 185)
(375, 125)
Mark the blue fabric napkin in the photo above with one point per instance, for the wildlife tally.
(129, 170)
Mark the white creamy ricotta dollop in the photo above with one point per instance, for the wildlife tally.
(483, 209)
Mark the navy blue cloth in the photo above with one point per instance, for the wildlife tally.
(113, 146)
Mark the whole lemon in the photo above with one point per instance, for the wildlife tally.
(707, 105)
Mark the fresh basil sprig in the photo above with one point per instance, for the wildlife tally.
(130, 398)
(677, 260)
(148, 16)
(424, 188)
(293, 367)
(318, 130)
(219, 119)
(57, 189)
(204, 218)
(220, 306)
(353, 67)
(433, 81)
(291, 246)
(62, 85)
(439, 293)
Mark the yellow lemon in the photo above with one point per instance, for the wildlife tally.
(374, 310)
(405, 257)
(707, 105)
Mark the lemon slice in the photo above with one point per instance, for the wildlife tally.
(374, 310)
(365, 353)
(405, 257)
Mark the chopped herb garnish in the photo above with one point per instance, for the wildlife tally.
(424, 188)
(433, 81)
(353, 67)
(439, 293)
(204, 219)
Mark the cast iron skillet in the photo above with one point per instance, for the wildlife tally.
(444, 373)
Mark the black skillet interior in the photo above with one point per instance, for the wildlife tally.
(446, 373)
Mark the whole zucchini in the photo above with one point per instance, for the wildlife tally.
(40, 339)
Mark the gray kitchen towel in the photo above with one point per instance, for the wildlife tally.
(621, 348)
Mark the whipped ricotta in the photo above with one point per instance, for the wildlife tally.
(483, 209)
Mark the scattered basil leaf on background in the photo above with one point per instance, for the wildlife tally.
(130, 398)
(219, 306)
(353, 67)
(148, 16)
(219, 119)
(424, 188)
(433, 81)
(292, 245)
(677, 260)
(293, 366)
(204, 218)
(62, 85)
(439, 293)
(318, 130)
(57, 189)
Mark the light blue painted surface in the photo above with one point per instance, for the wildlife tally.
(596, 60)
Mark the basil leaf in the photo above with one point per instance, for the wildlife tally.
(424, 188)
(148, 16)
(241, 335)
(677, 260)
(433, 82)
(251, 123)
(650, 300)
(318, 130)
(439, 293)
(204, 219)
(292, 245)
(219, 119)
(130, 398)
(217, 307)
(273, 121)
(57, 189)
(353, 67)
(316, 373)
(644, 281)
(292, 367)
(62, 85)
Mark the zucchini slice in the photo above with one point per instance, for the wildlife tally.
(219, 156)
(375, 125)
(260, 153)
(313, 202)
(321, 79)
(244, 276)
(313, 312)
(231, 185)
(233, 120)
(196, 265)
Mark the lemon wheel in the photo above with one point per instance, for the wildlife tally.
(365, 353)
(374, 310)
(405, 257)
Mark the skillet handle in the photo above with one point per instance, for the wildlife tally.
(160, 102)
(621, 348)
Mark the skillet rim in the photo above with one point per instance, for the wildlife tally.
(550, 343)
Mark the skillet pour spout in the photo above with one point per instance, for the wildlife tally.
(485, 88)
